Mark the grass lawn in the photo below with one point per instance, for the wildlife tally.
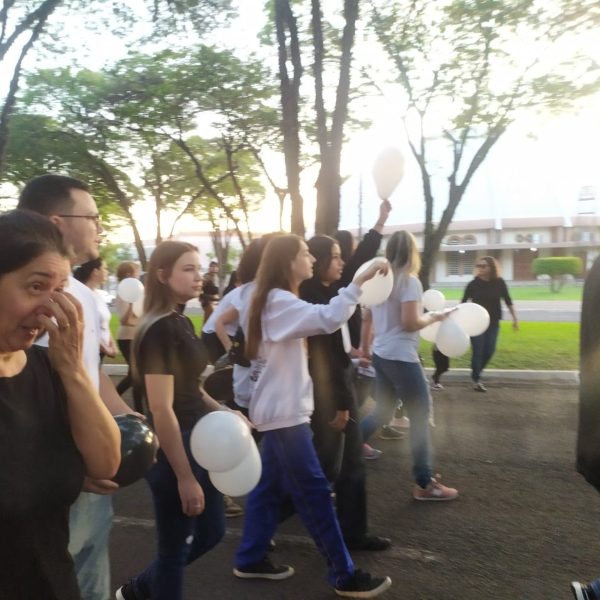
(544, 346)
(533, 292)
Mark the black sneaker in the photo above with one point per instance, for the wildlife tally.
(369, 543)
(126, 592)
(362, 585)
(582, 592)
(264, 569)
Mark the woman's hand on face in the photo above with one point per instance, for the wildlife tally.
(192, 497)
(65, 330)
(379, 266)
(340, 420)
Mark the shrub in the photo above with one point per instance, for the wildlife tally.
(557, 268)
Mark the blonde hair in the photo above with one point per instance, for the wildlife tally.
(402, 252)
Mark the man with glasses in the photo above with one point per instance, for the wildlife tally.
(67, 202)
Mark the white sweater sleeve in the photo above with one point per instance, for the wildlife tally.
(288, 317)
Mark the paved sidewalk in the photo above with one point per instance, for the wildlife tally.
(524, 526)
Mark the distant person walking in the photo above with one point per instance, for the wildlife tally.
(127, 323)
(487, 290)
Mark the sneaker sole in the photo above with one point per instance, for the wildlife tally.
(372, 457)
(577, 590)
(433, 499)
(382, 587)
(271, 576)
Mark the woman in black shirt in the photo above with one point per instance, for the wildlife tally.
(168, 359)
(54, 428)
(487, 289)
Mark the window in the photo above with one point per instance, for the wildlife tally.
(460, 263)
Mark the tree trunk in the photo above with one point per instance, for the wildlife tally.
(290, 95)
(330, 142)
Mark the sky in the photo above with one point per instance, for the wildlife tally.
(537, 168)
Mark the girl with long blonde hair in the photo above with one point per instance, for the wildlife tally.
(399, 373)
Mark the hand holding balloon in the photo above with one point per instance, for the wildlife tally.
(376, 280)
(451, 335)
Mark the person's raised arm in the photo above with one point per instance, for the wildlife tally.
(367, 248)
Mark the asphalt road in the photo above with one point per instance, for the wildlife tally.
(524, 526)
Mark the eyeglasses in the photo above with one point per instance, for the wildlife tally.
(481, 265)
(96, 218)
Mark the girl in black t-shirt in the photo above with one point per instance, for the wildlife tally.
(168, 359)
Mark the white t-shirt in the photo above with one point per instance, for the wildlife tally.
(240, 300)
(104, 315)
(91, 329)
(391, 341)
(224, 303)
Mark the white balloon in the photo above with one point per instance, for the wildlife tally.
(430, 332)
(138, 306)
(451, 340)
(130, 289)
(220, 441)
(376, 290)
(473, 318)
(388, 171)
(433, 299)
(243, 478)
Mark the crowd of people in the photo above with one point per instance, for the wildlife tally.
(288, 335)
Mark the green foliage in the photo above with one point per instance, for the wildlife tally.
(556, 266)
(543, 346)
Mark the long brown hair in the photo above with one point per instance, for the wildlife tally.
(493, 266)
(274, 272)
(159, 299)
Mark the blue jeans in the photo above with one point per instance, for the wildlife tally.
(290, 467)
(181, 539)
(405, 380)
(90, 520)
(483, 346)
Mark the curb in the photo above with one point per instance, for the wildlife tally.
(504, 375)
(513, 376)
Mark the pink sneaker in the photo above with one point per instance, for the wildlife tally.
(435, 492)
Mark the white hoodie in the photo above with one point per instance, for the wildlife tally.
(281, 387)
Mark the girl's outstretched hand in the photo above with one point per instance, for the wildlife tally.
(379, 266)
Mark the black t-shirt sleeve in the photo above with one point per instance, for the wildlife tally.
(468, 293)
(504, 293)
(366, 250)
(156, 350)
